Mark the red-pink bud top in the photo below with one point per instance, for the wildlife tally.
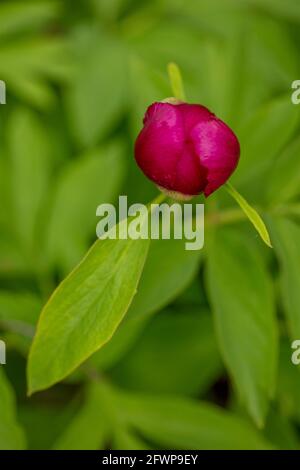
(184, 148)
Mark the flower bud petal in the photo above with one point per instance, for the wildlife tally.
(185, 149)
(219, 151)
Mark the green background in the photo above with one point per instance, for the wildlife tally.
(202, 359)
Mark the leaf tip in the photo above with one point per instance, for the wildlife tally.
(176, 81)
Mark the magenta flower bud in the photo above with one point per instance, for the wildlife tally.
(185, 149)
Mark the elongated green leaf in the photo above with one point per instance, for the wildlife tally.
(251, 213)
(275, 52)
(47, 57)
(120, 343)
(290, 9)
(288, 388)
(109, 9)
(5, 192)
(53, 420)
(286, 235)
(32, 90)
(25, 64)
(243, 303)
(85, 310)
(18, 316)
(88, 429)
(176, 267)
(176, 81)
(281, 432)
(179, 423)
(168, 271)
(284, 177)
(11, 256)
(263, 135)
(176, 353)
(11, 435)
(29, 155)
(17, 15)
(127, 440)
(92, 108)
(19, 307)
(91, 180)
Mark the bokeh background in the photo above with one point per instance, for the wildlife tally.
(203, 357)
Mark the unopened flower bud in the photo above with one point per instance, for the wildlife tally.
(185, 149)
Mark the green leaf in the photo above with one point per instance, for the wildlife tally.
(26, 64)
(242, 298)
(251, 213)
(109, 9)
(29, 156)
(180, 423)
(281, 432)
(11, 257)
(53, 420)
(286, 235)
(290, 9)
(93, 179)
(19, 307)
(88, 429)
(263, 135)
(284, 176)
(233, 96)
(164, 41)
(127, 440)
(218, 17)
(176, 353)
(96, 96)
(288, 389)
(274, 51)
(176, 267)
(85, 310)
(19, 312)
(44, 58)
(17, 16)
(176, 81)
(11, 435)
(123, 339)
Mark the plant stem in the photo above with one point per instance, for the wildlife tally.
(160, 198)
(291, 209)
(225, 217)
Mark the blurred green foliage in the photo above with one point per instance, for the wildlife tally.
(203, 357)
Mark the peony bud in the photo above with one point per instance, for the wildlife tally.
(185, 149)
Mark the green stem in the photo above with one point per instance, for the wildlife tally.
(289, 209)
(225, 217)
(160, 198)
